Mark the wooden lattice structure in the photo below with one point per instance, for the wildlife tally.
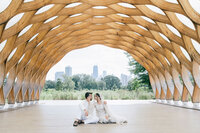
(158, 41)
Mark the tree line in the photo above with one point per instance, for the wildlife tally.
(84, 81)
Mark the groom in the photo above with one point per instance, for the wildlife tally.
(87, 113)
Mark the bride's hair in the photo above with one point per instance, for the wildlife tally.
(98, 95)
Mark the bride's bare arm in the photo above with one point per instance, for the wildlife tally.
(106, 109)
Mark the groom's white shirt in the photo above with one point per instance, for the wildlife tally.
(89, 106)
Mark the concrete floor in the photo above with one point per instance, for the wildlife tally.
(142, 118)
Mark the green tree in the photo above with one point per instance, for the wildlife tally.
(84, 81)
(114, 87)
(139, 71)
(101, 85)
(68, 83)
(59, 85)
(87, 82)
(76, 79)
(112, 81)
(133, 84)
(50, 84)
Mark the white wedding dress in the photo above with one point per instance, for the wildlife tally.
(102, 111)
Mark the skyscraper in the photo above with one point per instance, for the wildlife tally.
(124, 79)
(68, 71)
(95, 72)
(104, 74)
(59, 75)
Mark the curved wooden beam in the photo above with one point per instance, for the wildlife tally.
(170, 58)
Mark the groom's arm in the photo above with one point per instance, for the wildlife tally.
(82, 107)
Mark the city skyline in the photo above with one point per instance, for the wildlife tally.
(95, 74)
(59, 75)
(68, 71)
(125, 79)
(114, 61)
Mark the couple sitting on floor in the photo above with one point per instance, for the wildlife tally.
(96, 112)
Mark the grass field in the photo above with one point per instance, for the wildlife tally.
(140, 94)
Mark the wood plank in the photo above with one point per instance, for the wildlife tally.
(19, 97)
(142, 118)
(11, 97)
(2, 100)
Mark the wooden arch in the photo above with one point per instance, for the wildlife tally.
(159, 41)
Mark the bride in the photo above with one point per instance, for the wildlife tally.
(103, 112)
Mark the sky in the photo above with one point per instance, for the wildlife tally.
(112, 60)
